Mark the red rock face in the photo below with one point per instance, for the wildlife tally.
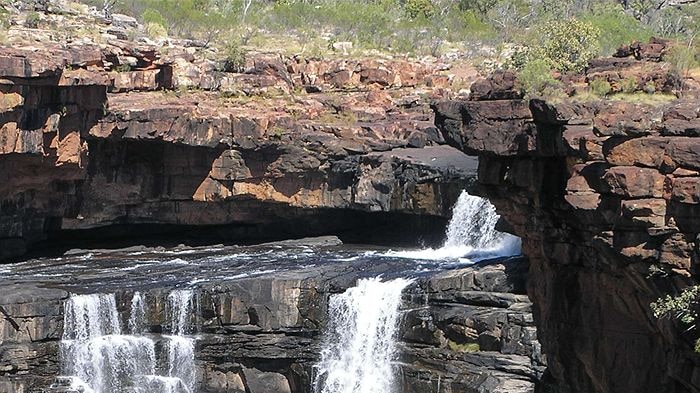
(600, 192)
(83, 146)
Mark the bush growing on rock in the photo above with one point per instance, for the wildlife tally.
(32, 21)
(567, 45)
(683, 308)
(156, 30)
(683, 57)
(234, 58)
(600, 87)
(628, 85)
(536, 80)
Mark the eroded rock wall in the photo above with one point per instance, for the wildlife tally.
(604, 194)
(86, 145)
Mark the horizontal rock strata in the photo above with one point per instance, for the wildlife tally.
(263, 334)
(111, 137)
(605, 196)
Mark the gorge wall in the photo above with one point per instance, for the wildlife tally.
(118, 141)
(604, 194)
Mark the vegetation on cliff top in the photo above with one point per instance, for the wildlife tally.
(421, 27)
(539, 38)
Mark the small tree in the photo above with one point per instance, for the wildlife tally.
(479, 6)
(567, 45)
(107, 6)
(32, 20)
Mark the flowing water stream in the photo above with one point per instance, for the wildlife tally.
(359, 344)
(103, 352)
(471, 235)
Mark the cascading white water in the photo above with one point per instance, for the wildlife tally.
(473, 223)
(95, 351)
(137, 316)
(360, 342)
(180, 347)
(471, 233)
(99, 358)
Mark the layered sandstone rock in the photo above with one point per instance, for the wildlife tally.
(95, 137)
(604, 194)
(264, 333)
(472, 330)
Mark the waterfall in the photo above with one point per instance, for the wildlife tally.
(137, 316)
(180, 347)
(179, 307)
(360, 342)
(471, 233)
(95, 351)
(473, 223)
(97, 357)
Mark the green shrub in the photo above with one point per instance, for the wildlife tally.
(566, 45)
(186, 18)
(457, 347)
(4, 19)
(156, 30)
(122, 68)
(683, 307)
(234, 58)
(628, 85)
(473, 27)
(683, 57)
(419, 8)
(536, 80)
(32, 21)
(600, 87)
(153, 16)
(650, 87)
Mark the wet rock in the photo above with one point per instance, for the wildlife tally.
(265, 382)
(323, 241)
(465, 339)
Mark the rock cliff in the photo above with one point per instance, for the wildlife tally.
(114, 141)
(604, 194)
(263, 333)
